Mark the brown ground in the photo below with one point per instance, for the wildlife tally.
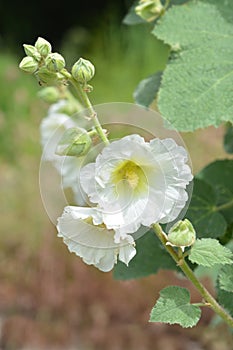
(49, 299)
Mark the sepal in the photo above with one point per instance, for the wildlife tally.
(74, 142)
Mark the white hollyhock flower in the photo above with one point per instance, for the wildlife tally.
(83, 232)
(52, 129)
(138, 183)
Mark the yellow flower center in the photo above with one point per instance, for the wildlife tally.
(131, 173)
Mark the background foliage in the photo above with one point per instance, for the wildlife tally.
(48, 296)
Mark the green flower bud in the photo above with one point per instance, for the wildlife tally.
(182, 234)
(69, 108)
(49, 94)
(32, 52)
(29, 65)
(43, 46)
(74, 142)
(149, 10)
(55, 62)
(83, 71)
(46, 77)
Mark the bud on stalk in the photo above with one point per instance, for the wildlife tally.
(29, 65)
(182, 234)
(43, 47)
(74, 142)
(83, 71)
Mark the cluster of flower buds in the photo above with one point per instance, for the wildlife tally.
(40, 60)
(49, 67)
(149, 10)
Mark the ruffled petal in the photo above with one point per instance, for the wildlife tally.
(162, 194)
(94, 244)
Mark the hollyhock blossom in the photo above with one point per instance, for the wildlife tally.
(84, 233)
(138, 183)
(52, 129)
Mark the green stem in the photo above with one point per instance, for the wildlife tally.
(201, 304)
(167, 2)
(86, 103)
(191, 276)
(73, 100)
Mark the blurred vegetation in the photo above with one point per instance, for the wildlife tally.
(48, 296)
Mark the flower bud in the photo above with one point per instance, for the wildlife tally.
(43, 46)
(49, 94)
(55, 62)
(83, 71)
(28, 64)
(149, 10)
(70, 108)
(32, 52)
(46, 77)
(182, 234)
(74, 142)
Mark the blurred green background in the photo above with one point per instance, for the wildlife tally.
(49, 299)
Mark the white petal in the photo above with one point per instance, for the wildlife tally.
(126, 254)
(163, 194)
(95, 245)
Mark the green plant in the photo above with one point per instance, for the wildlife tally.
(193, 92)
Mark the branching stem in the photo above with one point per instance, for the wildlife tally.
(209, 299)
(87, 104)
(92, 113)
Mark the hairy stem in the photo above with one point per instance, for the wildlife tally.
(86, 104)
(93, 115)
(209, 299)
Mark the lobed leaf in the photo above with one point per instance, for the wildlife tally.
(219, 176)
(228, 139)
(147, 89)
(196, 85)
(225, 299)
(131, 17)
(208, 252)
(202, 213)
(226, 278)
(173, 307)
(150, 257)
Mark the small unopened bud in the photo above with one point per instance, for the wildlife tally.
(182, 234)
(149, 10)
(43, 46)
(83, 71)
(55, 62)
(32, 52)
(74, 142)
(49, 94)
(29, 65)
(46, 77)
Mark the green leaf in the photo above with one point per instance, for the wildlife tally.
(147, 89)
(202, 211)
(132, 18)
(150, 257)
(173, 307)
(196, 89)
(219, 175)
(208, 252)
(226, 278)
(228, 139)
(225, 299)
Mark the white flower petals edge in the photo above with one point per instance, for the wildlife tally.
(82, 232)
